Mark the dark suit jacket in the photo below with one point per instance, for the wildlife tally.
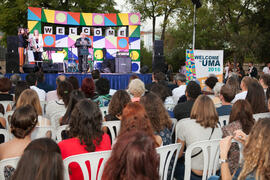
(182, 110)
(79, 46)
(254, 72)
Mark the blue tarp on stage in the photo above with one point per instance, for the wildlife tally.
(117, 81)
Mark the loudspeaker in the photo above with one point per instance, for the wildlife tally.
(144, 69)
(12, 44)
(52, 67)
(12, 62)
(123, 65)
(158, 64)
(158, 48)
(108, 66)
(29, 68)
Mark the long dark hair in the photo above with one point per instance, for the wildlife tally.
(41, 160)
(133, 157)
(118, 102)
(85, 123)
(256, 97)
(75, 96)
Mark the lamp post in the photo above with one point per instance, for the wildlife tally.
(197, 4)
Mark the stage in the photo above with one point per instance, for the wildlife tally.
(117, 81)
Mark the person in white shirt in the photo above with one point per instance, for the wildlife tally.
(226, 70)
(52, 95)
(180, 80)
(31, 80)
(266, 69)
(244, 86)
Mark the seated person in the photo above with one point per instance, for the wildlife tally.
(103, 89)
(136, 89)
(31, 80)
(226, 96)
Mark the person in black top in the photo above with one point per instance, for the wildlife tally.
(182, 110)
(5, 86)
(21, 45)
(82, 43)
(252, 70)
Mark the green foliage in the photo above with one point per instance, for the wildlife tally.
(146, 56)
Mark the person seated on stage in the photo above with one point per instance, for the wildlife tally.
(74, 82)
(5, 86)
(95, 75)
(103, 97)
(88, 87)
(31, 79)
(136, 89)
(14, 79)
(52, 95)
(226, 96)
(41, 82)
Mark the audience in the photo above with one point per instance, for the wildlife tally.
(20, 87)
(244, 86)
(226, 96)
(182, 110)
(132, 77)
(74, 82)
(215, 98)
(52, 95)
(22, 123)
(41, 84)
(136, 89)
(85, 134)
(31, 80)
(210, 84)
(233, 84)
(163, 92)
(133, 157)
(45, 161)
(5, 86)
(88, 87)
(202, 125)
(95, 75)
(103, 88)
(157, 77)
(180, 80)
(14, 79)
(118, 102)
(134, 117)
(265, 81)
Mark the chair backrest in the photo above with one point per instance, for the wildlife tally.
(169, 107)
(41, 132)
(174, 122)
(43, 106)
(94, 158)
(5, 133)
(210, 152)
(55, 118)
(166, 154)
(177, 127)
(223, 120)
(6, 103)
(6, 116)
(114, 127)
(261, 115)
(241, 147)
(59, 131)
(8, 162)
(104, 110)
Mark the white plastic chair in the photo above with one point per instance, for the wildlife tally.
(6, 103)
(223, 120)
(5, 133)
(174, 122)
(241, 147)
(56, 117)
(104, 111)
(166, 153)
(261, 115)
(177, 127)
(43, 132)
(114, 127)
(94, 159)
(43, 106)
(210, 152)
(6, 116)
(59, 131)
(169, 107)
(8, 162)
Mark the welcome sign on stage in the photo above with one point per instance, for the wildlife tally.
(118, 32)
(200, 64)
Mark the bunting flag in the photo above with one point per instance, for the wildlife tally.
(48, 16)
(110, 20)
(34, 14)
(73, 18)
(134, 31)
(122, 19)
(98, 19)
(86, 19)
(60, 17)
(134, 19)
(33, 25)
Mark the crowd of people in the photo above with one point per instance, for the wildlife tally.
(145, 112)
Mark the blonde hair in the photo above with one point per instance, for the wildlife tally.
(256, 151)
(204, 112)
(30, 97)
(136, 88)
(35, 32)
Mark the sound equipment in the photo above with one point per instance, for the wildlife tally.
(52, 49)
(144, 69)
(123, 65)
(52, 67)
(29, 68)
(108, 66)
(158, 48)
(12, 44)
(197, 3)
(158, 64)
(12, 62)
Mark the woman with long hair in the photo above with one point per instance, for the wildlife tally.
(21, 44)
(158, 116)
(135, 117)
(37, 44)
(234, 84)
(85, 134)
(241, 118)
(133, 157)
(88, 87)
(46, 161)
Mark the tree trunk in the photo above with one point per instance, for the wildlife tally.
(154, 31)
(164, 26)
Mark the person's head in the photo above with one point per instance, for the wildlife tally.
(156, 112)
(217, 88)
(134, 117)
(256, 97)
(103, 86)
(74, 82)
(118, 102)
(31, 79)
(132, 77)
(245, 82)
(95, 74)
(88, 87)
(268, 64)
(250, 64)
(60, 78)
(45, 160)
(161, 90)
(20, 87)
(36, 33)
(20, 31)
(193, 90)
(180, 79)
(158, 76)
(211, 82)
(63, 90)
(265, 80)
(256, 151)
(133, 157)
(29, 97)
(233, 83)
(204, 112)
(75, 97)
(15, 78)
(242, 112)
(226, 94)
(85, 123)
(136, 88)
(228, 63)
(23, 121)
(83, 35)
(5, 84)
(40, 77)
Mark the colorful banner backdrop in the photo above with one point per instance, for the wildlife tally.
(200, 64)
(66, 27)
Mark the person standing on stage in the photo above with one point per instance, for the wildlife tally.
(37, 44)
(82, 43)
(21, 44)
(26, 44)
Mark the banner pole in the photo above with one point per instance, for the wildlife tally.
(194, 28)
